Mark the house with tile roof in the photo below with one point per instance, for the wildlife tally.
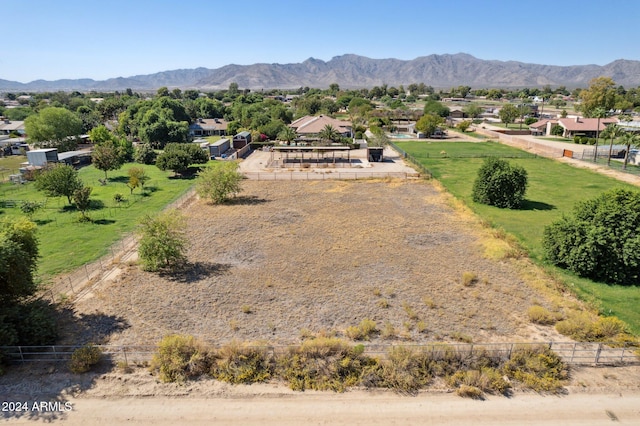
(311, 125)
(579, 126)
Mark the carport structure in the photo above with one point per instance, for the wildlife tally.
(305, 156)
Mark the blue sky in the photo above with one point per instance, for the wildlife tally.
(100, 39)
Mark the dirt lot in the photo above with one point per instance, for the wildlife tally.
(322, 256)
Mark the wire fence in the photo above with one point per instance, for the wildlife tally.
(572, 353)
(412, 160)
(75, 283)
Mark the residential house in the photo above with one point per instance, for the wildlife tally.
(311, 126)
(7, 127)
(579, 126)
(208, 127)
(542, 127)
(457, 113)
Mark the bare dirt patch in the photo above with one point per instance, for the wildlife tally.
(322, 256)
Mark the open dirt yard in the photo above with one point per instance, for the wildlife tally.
(291, 256)
(288, 258)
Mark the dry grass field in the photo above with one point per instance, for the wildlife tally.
(288, 259)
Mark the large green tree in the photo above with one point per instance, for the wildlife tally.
(55, 128)
(600, 94)
(106, 154)
(600, 240)
(472, 110)
(508, 114)
(179, 156)
(436, 108)
(59, 180)
(429, 123)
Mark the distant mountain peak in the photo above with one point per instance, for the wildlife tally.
(354, 71)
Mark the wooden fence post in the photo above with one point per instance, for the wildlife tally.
(598, 353)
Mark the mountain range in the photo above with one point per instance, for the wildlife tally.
(353, 71)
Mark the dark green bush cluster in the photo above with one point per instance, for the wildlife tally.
(600, 240)
(583, 140)
(28, 324)
(500, 184)
(327, 363)
(179, 156)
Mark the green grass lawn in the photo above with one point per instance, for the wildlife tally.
(66, 243)
(554, 188)
(10, 165)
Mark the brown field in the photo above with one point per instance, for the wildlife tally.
(291, 258)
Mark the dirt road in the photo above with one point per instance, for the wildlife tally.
(355, 408)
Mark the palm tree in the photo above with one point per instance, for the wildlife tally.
(598, 113)
(631, 140)
(287, 134)
(613, 131)
(329, 133)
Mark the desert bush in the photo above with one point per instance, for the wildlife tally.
(536, 367)
(488, 380)
(404, 370)
(541, 315)
(500, 184)
(237, 363)
(608, 328)
(600, 239)
(472, 392)
(383, 303)
(82, 359)
(323, 364)
(180, 357)
(582, 326)
(362, 331)
(409, 311)
(388, 331)
(469, 278)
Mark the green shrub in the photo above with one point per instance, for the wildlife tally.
(145, 154)
(82, 359)
(500, 184)
(218, 184)
(236, 363)
(163, 242)
(180, 357)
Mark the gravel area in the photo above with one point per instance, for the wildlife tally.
(287, 257)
